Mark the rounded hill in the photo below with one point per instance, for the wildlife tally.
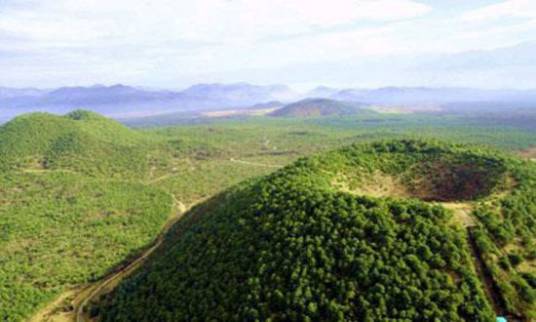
(315, 107)
(80, 141)
(365, 233)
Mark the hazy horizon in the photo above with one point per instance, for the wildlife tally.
(299, 89)
(164, 44)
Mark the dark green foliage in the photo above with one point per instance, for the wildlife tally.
(515, 259)
(504, 263)
(290, 247)
(525, 290)
(511, 220)
(530, 278)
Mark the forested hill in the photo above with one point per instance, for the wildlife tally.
(359, 234)
(315, 107)
(74, 203)
(80, 141)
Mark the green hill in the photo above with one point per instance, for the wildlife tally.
(73, 205)
(403, 230)
(81, 141)
(315, 107)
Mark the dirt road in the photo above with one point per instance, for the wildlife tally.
(258, 164)
(72, 305)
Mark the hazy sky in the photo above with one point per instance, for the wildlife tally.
(173, 43)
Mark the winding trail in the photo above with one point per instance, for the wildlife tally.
(258, 164)
(164, 177)
(72, 304)
(79, 298)
(250, 163)
(54, 308)
(110, 282)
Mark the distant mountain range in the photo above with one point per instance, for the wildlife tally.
(122, 101)
(242, 93)
(19, 92)
(425, 95)
(126, 101)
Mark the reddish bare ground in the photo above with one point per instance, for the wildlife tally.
(452, 182)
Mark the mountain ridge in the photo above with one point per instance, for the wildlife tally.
(122, 101)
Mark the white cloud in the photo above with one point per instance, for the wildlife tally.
(166, 42)
(184, 37)
(199, 20)
(505, 9)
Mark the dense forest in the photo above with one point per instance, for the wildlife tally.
(81, 195)
(302, 245)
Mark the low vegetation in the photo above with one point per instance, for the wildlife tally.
(61, 230)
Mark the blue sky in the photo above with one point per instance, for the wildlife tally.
(349, 43)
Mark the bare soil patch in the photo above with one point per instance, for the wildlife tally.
(434, 182)
(377, 185)
(529, 153)
(57, 311)
(444, 182)
(461, 213)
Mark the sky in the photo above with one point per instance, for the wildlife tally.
(303, 43)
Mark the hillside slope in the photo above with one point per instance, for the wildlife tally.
(61, 230)
(73, 205)
(323, 240)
